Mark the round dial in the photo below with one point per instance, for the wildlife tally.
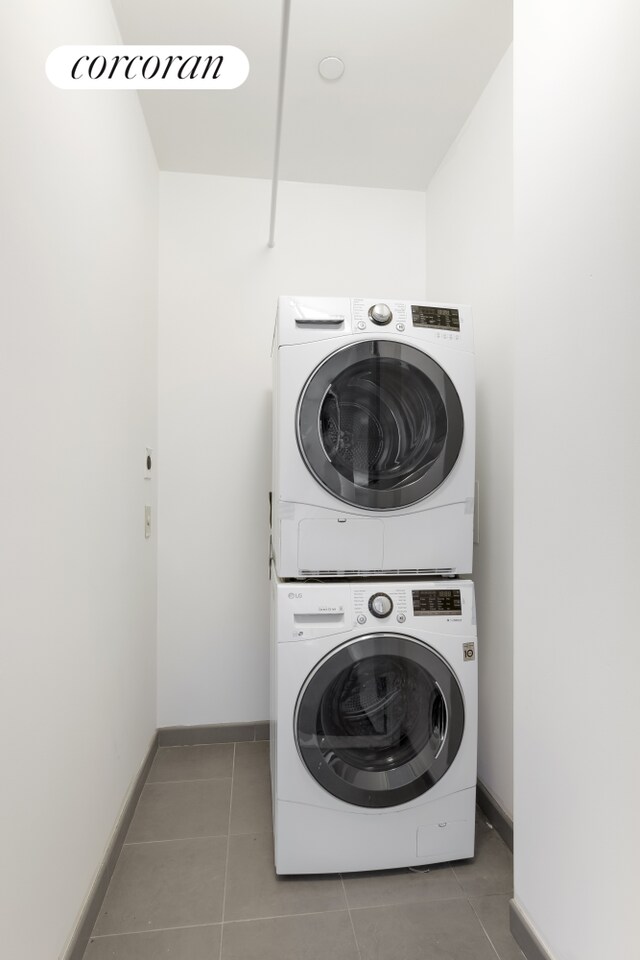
(380, 605)
(381, 314)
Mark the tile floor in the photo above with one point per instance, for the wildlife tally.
(195, 881)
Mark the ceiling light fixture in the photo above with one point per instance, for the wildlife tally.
(331, 68)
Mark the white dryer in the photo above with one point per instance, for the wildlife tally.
(373, 724)
(373, 438)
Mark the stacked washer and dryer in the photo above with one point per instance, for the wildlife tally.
(373, 628)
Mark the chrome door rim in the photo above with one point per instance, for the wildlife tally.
(310, 442)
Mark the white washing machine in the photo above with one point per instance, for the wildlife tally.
(374, 438)
(373, 724)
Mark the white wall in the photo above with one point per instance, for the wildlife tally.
(577, 475)
(218, 288)
(78, 274)
(469, 217)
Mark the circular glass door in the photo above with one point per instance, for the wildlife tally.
(380, 424)
(380, 720)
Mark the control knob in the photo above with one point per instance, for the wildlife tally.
(380, 605)
(381, 314)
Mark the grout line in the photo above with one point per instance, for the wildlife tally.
(458, 881)
(132, 933)
(226, 864)
(484, 929)
(287, 916)
(206, 836)
(183, 746)
(494, 893)
(402, 903)
(281, 916)
(353, 929)
(151, 783)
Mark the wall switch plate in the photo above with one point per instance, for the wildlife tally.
(147, 521)
(148, 463)
(476, 514)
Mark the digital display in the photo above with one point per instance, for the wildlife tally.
(438, 318)
(436, 603)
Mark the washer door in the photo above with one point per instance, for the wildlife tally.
(380, 720)
(380, 424)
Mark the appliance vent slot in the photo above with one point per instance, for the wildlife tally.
(415, 571)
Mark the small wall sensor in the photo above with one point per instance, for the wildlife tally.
(148, 462)
(331, 68)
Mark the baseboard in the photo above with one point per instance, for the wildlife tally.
(80, 937)
(212, 733)
(525, 936)
(497, 817)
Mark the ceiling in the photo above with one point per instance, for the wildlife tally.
(413, 71)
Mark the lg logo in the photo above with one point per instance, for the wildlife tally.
(295, 596)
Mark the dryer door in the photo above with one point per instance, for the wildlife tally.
(380, 720)
(380, 424)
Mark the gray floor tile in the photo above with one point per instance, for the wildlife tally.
(313, 937)
(491, 870)
(493, 913)
(158, 885)
(499, 818)
(401, 886)
(186, 943)
(177, 810)
(192, 763)
(442, 930)
(252, 759)
(251, 805)
(254, 890)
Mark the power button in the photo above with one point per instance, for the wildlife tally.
(361, 618)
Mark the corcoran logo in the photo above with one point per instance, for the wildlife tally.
(147, 67)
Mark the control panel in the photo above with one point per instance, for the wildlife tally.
(301, 319)
(374, 606)
(436, 318)
(397, 316)
(369, 315)
(436, 603)
(316, 611)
